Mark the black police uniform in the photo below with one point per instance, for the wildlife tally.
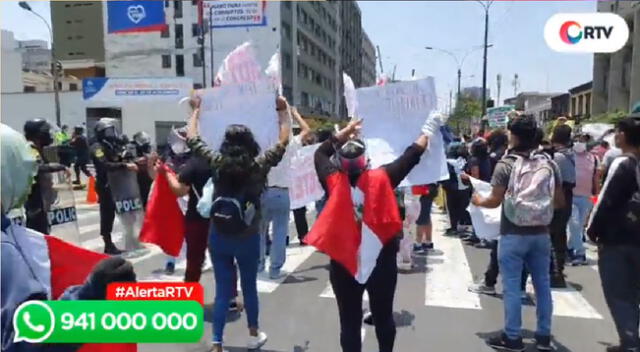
(106, 159)
(35, 204)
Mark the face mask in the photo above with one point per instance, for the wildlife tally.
(17, 179)
(579, 147)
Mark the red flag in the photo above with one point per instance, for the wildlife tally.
(337, 232)
(163, 222)
(61, 265)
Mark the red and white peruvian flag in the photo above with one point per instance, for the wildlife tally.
(356, 242)
(59, 265)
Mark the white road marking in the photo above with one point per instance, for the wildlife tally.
(449, 276)
(568, 302)
(592, 255)
(295, 257)
(328, 293)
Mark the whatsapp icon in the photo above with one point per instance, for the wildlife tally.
(33, 322)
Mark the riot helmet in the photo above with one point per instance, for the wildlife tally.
(105, 130)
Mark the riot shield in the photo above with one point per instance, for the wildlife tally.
(60, 206)
(129, 210)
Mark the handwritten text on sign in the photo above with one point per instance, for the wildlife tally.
(393, 116)
(305, 187)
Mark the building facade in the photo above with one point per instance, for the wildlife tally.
(317, 41)
(368, 61)
(616, 76)
(36, 55)
(580, 101)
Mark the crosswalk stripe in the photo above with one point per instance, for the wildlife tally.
(295, 257)
(328, 293)
(448, 276)
(568, 302)
(592, 255)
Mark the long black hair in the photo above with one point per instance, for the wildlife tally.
(238, 152)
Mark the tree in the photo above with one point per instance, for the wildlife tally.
(466, 108)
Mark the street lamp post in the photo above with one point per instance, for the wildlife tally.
(54, 62)
(486, 6)
(459, 63)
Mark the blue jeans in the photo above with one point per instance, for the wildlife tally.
(581, 207)
(275, 208)
(224, 249)
(534, 251)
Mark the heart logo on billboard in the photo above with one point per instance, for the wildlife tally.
(136, 13)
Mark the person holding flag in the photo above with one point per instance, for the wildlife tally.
(39, 267)
(363, 247)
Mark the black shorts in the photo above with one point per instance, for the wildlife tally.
(424, 218)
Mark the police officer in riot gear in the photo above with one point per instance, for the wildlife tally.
(141, 143)
(38, 133)
(107, 154)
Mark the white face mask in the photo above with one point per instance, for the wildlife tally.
(580, 147)
(179, 147)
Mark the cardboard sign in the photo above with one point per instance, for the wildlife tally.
(250, 104)
(305, 187)
(498, 116)
(393, 117)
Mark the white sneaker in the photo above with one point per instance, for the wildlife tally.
(255, 342)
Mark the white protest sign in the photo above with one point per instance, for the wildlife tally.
(249, 104)
(498, 116)
(393, 116)
(305, 187)
(486, 222)
(243, 95)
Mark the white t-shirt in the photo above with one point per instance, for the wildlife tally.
(280, 176)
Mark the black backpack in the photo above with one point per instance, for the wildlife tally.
(232, 214)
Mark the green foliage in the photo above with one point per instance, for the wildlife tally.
(466, 108)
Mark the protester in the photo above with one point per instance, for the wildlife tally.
(142, 145)
(276, 205)
(498, 143)
(601, 149)
(24, 278)
(587, 185)
(424, 228)
(107, 157)
(565, 158)
(241, 174)
(38, 133)
(300, 214)
(343, 171)
(81, 147)
(615, 227)
(524, 230)
(457, 193)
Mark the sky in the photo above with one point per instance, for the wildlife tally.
(403, 28)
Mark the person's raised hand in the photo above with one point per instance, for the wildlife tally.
(132, 167)
(195, 102)
(432, 123)
(281, 103)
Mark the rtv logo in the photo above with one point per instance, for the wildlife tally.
(586, 32)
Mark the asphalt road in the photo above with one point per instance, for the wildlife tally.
(433, 309)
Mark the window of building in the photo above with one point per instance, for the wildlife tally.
(197, 86)
(287, 4)
(179, 36)
(194, 2)
(580, 104)
(587, 108)
(165, 32)
(177, 6)
(286, 29)
(59, 85)
(287, 60)
(73, 86)
(304, 99)
(197, 60)
(166, 61)
(180, 65)
(573, 106)
(28, 89)
(195, 30)
(166, 3)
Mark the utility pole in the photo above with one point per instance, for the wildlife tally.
(55, 70)
(484, 63)
(211, 44)
(393, 75)
(499, 79)
(450, 100)
(380, 59)
(516, 84)
(459, 78)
